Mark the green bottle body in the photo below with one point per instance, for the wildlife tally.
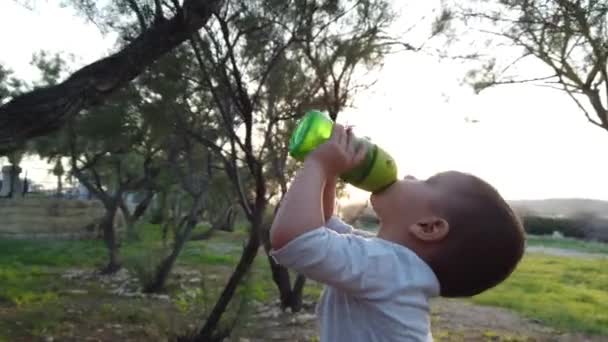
(375, 173)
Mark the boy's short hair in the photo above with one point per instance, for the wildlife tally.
(485, 243)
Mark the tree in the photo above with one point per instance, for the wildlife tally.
(261, 65)
(111, 151)
(11, 86)
(238, 89)
(14, 158)
(108, 171)
(187, 164)
(46, 109)
(569, 37)
(188, 176)
(58, 171)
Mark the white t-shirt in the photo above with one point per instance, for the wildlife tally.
(375, 290)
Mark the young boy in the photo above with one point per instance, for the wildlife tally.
(451, 235)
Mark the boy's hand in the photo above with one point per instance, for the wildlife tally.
(339, 154)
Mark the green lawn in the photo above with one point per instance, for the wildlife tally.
(33, 293)
(568, 293)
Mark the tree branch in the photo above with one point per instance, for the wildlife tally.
(45, 110)
(219, 101)
(158, 10)
(140, 16)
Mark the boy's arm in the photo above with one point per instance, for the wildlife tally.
(329, 198)
(301, 239)
(332, 222)
(301, 209)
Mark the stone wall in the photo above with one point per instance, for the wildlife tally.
(50, 218)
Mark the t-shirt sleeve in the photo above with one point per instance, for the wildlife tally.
(346, 261)
(340, 227)
(337, 225)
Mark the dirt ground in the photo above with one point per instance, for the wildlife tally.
(99, 309)
(452, 320)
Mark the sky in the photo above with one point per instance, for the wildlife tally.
(529, 142)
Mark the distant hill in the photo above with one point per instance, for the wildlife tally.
(562, 207)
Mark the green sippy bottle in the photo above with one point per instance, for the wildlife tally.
(377, 171)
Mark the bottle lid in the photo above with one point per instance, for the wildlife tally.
(299, 143)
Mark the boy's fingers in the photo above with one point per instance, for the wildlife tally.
(349, 140)
(339, 134)
(360, 155)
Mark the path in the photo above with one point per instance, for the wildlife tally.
(563, 252)
(452, 320)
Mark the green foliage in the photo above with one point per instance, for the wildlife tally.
(53, 68)
(144, 264)
(569, 38)
(9, 85)
(192, 300)
(23, 285)
(537, 225)
(568, 293)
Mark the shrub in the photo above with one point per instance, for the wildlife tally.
(538, 225)
(144, 265)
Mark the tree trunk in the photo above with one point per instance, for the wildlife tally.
(12, 181)
(281, 278)
(142, 206)
(59, 186)
(208, 332)
(226, 221)
(295, 301)
(109, 237)
(290, 297)
(164, 232)
(165, 267)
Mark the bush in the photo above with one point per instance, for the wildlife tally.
(538, 225)
(144, 265)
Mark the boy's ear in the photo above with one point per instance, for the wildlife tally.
(430, 229)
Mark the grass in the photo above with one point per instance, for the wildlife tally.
(567, 293)
(568, 243)
(51, 253)
(33, 293)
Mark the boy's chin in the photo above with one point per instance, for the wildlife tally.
(375, 197)
(383, 191)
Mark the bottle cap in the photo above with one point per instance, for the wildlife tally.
(304, 138)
